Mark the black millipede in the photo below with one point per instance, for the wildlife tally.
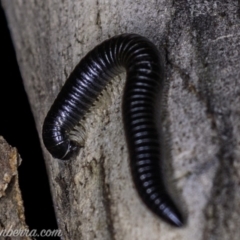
(144, 79)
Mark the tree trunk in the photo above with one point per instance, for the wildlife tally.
(93, 194)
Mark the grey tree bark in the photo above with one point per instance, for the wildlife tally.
(93, 194)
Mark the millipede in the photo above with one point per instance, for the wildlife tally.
(144, 67)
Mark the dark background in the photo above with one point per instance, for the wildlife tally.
(18, 128)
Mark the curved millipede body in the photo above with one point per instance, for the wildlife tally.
(144, 68)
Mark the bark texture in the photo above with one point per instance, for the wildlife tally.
(93, 194)
(11, 205)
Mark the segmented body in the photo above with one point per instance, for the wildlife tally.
(144, 68)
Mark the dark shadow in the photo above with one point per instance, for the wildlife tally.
(18, 128)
